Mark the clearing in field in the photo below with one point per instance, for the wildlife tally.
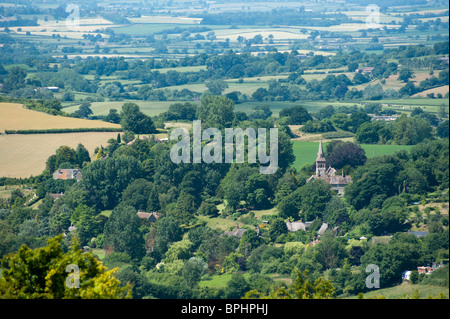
(16, 117)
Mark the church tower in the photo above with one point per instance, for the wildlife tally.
(321, 163)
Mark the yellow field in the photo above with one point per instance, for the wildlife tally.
(15, 117)
(393, 82)
(25, 155)
(442, 89)
(85, 26)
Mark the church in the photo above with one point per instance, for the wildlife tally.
(337, 182)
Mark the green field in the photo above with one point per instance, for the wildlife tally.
(219, 281)
(406, 290)
(306, 152)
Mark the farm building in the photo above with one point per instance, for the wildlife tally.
(65, 174)
(337, 182)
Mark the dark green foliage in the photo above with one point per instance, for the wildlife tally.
(215, 111)
(392, 260)
(330, 252)
(180, 111)
(298, 115)
(318, 126)
(377, 179)
(168, 231)
(122, 233)
(277, 228)
(340, 154)
(139, 193)
(107, 179)
(411, 131)
(236, 287)
(208, 209)
(132, 119)
(443, 129)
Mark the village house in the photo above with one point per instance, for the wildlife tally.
(300, 225)
(295, 226)
(150, 217)
(66, 174)
(237, 232)
(328, 174)
(367, 70)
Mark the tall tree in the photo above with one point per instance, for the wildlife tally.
(15, 79)
(82, 155)
(132, 119)
(216, 87)
(345, 153)
(107, 179)
(85, 220)
(215, 111)
(122, 233)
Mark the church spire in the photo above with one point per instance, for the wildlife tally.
(320, 156)
(321, 165)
